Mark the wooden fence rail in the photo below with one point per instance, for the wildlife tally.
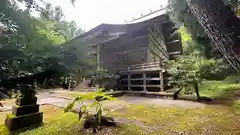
(143, 67)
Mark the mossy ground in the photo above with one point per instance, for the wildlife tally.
(225, 92)
(212, 119)
(51, 113)
(209, 119)
(70, 94)
(138, 119)
(220, 89)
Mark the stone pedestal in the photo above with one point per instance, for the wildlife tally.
(25, 113)
(14, 122)
(22, 101)
(24, 110)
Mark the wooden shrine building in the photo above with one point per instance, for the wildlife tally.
(136, 51)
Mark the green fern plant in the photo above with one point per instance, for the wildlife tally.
(84, 109)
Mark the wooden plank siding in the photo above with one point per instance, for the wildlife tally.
(138, 54)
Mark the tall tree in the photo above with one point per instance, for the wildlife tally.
(181, 13)
(49, 12)
(68, 29)
(221, 25)
(29, 44)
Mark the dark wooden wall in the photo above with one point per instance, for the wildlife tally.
(138, 47)
(128, 49)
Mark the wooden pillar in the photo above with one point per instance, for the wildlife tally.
(161, 80)
(129, 80)
(144, 82)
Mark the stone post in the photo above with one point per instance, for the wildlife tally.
(25, 112)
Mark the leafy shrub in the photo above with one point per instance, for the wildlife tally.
(189, 70)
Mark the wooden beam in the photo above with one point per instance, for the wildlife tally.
(136, 79)
(135, 85)
(174, 41)
(127, 51)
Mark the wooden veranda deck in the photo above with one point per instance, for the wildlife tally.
(146, 77)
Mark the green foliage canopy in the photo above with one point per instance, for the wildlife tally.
(181, 14)
(191, 66)
(31, 44)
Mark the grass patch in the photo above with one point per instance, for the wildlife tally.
(51, 113)
(225, 91)
(4, 130)
(3, 116)
(172, 120)
(139, 119)
(68, 124)
(220, 89)
(60, 126)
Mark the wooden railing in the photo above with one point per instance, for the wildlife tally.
(143, 67)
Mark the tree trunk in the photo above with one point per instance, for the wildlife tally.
(195, 86)
(221, 25)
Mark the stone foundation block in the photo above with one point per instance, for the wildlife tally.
(24, 110)
(18, 122)
(26, 101)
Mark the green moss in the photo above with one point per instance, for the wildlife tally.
(4, 130)
(171, 120)
(52, 116)
(11, 116)
(61, 126)
(234, 78)
(17, 106)
(129, 129)
(154, 120)
(221, 89)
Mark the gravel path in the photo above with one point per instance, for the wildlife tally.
(47, 98)
(161, 102)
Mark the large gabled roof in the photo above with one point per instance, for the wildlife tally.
(123, 28)
(116, 30)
